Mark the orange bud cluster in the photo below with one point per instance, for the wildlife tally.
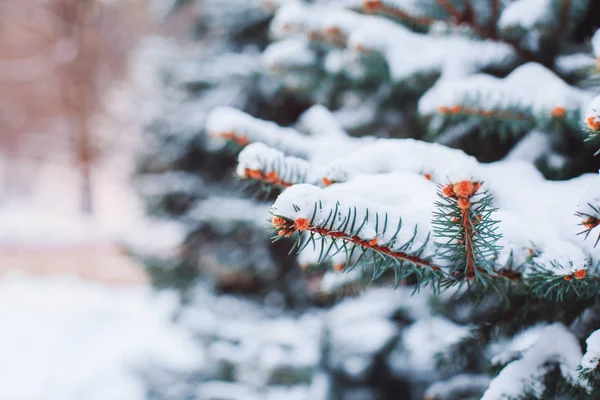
(593, 123)
(284, 227)
(579, 275)
(231, 136)
(462, 191)
(590, 222)
(456, 109)
(270, 177)
(302, 224)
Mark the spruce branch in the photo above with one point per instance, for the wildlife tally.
(465, 232)
(460, 18)
(379, 240)
(272, 168)
(589, 221)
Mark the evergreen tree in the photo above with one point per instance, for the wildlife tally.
(440, 148)
(514, 286)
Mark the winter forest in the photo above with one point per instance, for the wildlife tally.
(300, 199)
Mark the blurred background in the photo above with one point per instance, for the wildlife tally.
(131, 264)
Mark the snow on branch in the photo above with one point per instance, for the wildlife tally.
(458, 387)
(398, 46)
(530, 95)
(380, 234)
(232, 125)
(270, 166)
(589, 370)
(556, 349)
(531, 22)
(289, 55)
(592, 117)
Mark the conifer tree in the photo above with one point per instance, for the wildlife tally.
(510, 255)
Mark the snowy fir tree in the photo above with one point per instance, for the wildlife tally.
(435, 156)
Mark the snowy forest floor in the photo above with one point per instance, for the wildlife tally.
(78, 318)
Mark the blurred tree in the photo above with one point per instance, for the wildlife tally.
(57, 60)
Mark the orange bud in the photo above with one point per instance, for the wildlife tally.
(373, 242)
(226, 135)
(593, 124)
(590, 222)
(338, 267)
(567, 278)
(580, 274)
(455, 219)
(558, 112)
(242, 140)
(371, 6)
(254, 174)
(448, 191)
(326, 181)
(304, 266)
(427, 176)
(443, 110)
(277, 221)
(455, 109)
(463, 203)
(272, 177)
(463, 189)
(302, 224)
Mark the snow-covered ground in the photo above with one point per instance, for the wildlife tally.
(66, 339)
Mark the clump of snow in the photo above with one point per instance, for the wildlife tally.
(556, 344)
(505, 351)
(422, 342)
(531, 147)
(459, 386)
(576, 62)
(530, 88)
(591, 358)
(596, 43)
(589, 204)
(319, 121)
(291, 170)
(562, 258)
(67, 339)
(526, 14)
(228, 120)
(289, 53)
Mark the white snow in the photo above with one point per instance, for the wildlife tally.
(596, 43)
(526, 14)
(530, 88)
(591, 357)
(555, 344)
(67, 339)
(422, 341)
(288, 54)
